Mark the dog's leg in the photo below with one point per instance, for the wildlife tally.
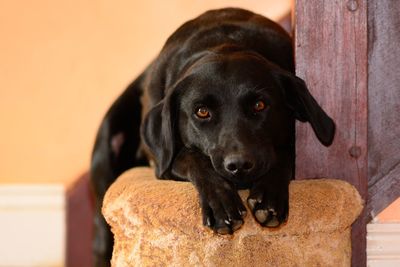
(269, 196)
(222, 208)
(116, 149)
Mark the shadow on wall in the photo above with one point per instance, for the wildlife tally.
(79, 223)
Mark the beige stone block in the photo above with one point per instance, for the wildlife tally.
(158, 223)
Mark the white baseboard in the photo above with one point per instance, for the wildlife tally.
(383, 244)
(32, 225)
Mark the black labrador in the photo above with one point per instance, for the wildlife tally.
(217, 107)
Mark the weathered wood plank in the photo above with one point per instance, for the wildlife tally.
(331, 56)
(384, 103)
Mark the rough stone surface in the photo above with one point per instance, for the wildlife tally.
(158, 223)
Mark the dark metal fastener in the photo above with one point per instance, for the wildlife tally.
(355, 151)
(352, 5)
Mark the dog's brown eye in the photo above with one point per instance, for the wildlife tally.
(203, 113)
(259, 106)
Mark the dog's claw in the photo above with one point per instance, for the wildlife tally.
(208, 222)
(243, 213)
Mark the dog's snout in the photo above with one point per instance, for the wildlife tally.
(236, 164)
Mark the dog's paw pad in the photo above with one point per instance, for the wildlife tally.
(268, 218)
(261, 215)
(225, 230)
(236, 224)
(273, 222)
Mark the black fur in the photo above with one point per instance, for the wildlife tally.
(238, 67)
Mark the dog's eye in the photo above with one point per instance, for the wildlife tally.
(259, 106)
(202, 113)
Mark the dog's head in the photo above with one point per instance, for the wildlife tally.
(236, 108)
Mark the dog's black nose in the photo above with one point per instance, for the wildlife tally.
(236, 164)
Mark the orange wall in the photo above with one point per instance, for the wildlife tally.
(62, 63)
(390, 214)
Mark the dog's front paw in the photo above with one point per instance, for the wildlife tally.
(269, 204)
(223, 210)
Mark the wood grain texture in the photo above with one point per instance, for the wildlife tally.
(331, 56)
(384, 103)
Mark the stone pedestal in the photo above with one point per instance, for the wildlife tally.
(158, 223)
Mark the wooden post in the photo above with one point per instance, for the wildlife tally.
(383, 104)
(332, 57)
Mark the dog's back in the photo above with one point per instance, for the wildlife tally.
(223, 27)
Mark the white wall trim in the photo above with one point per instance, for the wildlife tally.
(383, 244)
(32, 225)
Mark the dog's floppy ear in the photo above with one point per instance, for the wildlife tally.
(159, 133)
(305, 108)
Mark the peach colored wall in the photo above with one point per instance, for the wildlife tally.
(62, 63)
(390, 214)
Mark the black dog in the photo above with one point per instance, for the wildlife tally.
(217, 107)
